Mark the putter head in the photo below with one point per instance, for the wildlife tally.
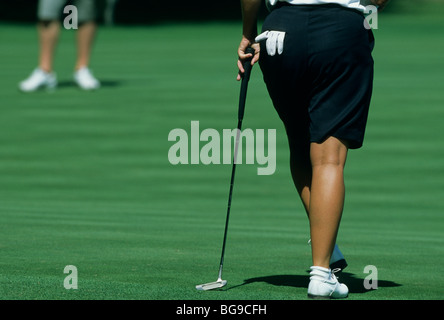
(212, 285)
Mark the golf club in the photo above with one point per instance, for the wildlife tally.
(219, 283)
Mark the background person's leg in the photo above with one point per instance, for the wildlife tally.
(42, 76)
(48, 27)
(48, 33)
(48, 30)
(85, 40)
(86, 33)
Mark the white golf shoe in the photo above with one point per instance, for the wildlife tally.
(85, 79)
(37, 80)
(324, 285)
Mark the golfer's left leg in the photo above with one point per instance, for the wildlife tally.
(301, 171)
(326, 197)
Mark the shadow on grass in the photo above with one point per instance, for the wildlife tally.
(103, 83)
(354, 284)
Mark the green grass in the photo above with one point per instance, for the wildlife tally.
(85, 178)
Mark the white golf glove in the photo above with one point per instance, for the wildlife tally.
(270, 4)
(275, 41)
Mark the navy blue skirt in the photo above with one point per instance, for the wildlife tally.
(321, 84)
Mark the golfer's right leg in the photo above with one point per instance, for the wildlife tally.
(325, 211)
(326, 198)
(301, 172)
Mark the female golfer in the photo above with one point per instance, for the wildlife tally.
(315, 56)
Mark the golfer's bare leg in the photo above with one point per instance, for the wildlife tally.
(326, 197)
(48, 32)
(301, 171)
(85, 39)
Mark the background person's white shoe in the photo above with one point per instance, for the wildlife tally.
(85, 79)
(337, 260)
(324, 285)
(37, 80)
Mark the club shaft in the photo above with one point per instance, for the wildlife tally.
(230, 194)
(242, 100)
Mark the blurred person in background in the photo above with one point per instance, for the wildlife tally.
(48, 27)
